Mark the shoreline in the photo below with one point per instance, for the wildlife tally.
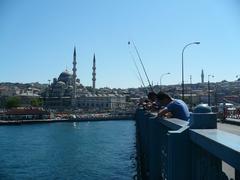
(85, 119)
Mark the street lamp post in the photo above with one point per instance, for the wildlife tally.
(238, 80)
(191, 97)
(183, 66)
(161, 79)
(215, 93)
(209, 102)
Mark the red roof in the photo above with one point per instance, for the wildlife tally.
(25, 112)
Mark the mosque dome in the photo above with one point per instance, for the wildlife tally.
(65, 76)
(60, 83)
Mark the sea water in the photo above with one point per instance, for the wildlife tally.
(77, 150)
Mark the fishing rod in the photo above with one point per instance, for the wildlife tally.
(141, 64)
(139, 74)
(138, 79)
(143, 85)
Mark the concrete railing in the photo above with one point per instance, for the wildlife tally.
(172, 149)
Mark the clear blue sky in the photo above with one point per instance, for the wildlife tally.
(37, 39)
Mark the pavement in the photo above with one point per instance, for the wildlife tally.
(232, 121)
(234, 129)
(231, 128)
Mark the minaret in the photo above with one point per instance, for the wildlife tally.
(74, 73)
(94, 74)
(202, 76)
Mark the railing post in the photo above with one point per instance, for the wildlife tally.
(204, 165)
(237, 175)
(178, 155)
(203, 118)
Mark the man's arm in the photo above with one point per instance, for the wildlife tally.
(162, 112)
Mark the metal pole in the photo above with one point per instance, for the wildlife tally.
(183, 75)
(209, 101)
(191, 92)
(183, 66)
(216, 98)
(161, 79)
(208, 92)
(237, 76)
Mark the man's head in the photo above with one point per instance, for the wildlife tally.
(152, 96)
(163, 98)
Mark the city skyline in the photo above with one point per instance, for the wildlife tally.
(37, 40)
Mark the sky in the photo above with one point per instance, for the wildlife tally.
(37, 38)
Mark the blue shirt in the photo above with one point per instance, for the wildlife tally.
(179, 109)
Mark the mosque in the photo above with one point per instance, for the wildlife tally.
(66, 92)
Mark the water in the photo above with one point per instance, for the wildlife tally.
(79, 150)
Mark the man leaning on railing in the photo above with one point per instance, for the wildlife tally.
(150, 104)
(173, 108)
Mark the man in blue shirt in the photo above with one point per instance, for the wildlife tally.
(174, 108)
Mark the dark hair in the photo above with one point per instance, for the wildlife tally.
(151, 95)
(162, 95)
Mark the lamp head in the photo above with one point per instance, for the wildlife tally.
(197, 42)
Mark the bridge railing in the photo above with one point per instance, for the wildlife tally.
(172, 149)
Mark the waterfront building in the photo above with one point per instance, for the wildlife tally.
(66, 92)
(102, 102)
(24, 114)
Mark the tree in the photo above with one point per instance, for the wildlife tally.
(36, 102)
(12, 102)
